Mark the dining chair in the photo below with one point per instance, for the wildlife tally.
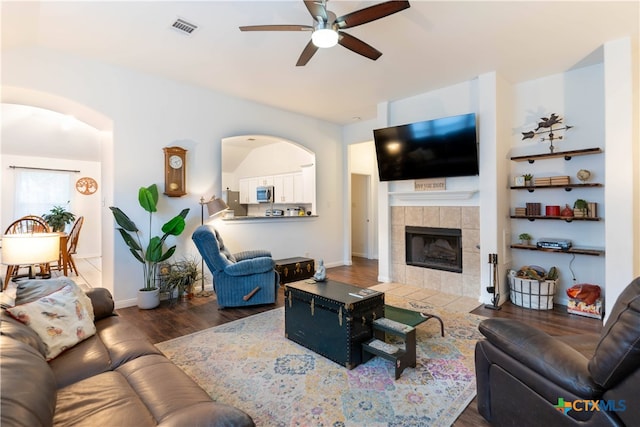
(72, 244)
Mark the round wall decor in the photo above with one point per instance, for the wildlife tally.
(86, 185)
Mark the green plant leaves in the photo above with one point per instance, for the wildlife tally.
(175, 225)
(123, 220)
(148, 198)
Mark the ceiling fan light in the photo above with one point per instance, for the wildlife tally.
(324, 37)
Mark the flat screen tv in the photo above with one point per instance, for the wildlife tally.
(437, 148)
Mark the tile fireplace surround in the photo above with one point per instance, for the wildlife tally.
(466, 218)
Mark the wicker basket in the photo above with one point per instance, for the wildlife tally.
(532, 294)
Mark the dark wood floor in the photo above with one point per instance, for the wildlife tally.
(184, 317)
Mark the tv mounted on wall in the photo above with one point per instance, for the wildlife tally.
(444, 147)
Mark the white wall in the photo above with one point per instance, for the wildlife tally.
(89, 243)
(149, 113)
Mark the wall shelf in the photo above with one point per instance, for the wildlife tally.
(566, 154)
(580, 251)
(567, 187)
(560, 218)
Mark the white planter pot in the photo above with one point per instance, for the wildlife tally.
(148, 299)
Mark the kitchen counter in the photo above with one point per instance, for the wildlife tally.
(266, 218)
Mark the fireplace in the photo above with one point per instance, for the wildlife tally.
(434, 247)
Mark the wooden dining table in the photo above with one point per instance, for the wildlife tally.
(63, 260)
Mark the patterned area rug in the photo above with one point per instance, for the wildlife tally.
(249, 364)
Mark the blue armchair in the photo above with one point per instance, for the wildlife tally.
(241, 279)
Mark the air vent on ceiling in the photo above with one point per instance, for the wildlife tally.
(184, 27)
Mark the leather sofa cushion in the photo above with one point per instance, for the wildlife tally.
(618, 352)
(17, 330)
(175, 399)
(102, 302)
(115, 343)
(102, 400)
(27, 385)
(542, 353)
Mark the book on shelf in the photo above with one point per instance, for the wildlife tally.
(364, 292)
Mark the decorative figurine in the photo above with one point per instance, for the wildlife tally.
(321, 272)
(547, 123)
(583, 175)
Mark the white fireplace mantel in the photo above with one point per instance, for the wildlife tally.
(409, 196)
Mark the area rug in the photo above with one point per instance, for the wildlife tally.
(249, 364)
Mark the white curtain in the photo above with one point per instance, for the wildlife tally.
(37, 191)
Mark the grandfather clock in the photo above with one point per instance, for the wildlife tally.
(175, 184)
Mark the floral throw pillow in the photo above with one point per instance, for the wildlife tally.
(61, 319)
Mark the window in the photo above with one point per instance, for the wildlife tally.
(37, 191)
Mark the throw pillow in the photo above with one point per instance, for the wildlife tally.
(61, 319)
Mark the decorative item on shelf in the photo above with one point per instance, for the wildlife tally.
(542, 181)
(528, 179)
(58, 218)
(547, 123)
(567, 212)
(520, 211)
(552, 210)
(533, 209)
(580, 208)
(525, 238)
(154, 253)
(215, 207)
(493, 289)
(559, 180)
(518, 181)
(86, 186)
(583, 175)
(592, 209)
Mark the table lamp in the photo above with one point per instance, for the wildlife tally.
(30, 249)
(215, 207)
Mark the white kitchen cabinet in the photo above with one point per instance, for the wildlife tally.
(248, 190)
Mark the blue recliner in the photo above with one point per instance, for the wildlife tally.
(241, 279)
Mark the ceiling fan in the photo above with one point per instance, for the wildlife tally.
(327, 29)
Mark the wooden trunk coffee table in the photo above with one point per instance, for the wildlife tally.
(331, 318)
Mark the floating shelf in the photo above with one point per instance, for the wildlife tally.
(580, 251)
(567, 187)
(561, 218)
(566, 154)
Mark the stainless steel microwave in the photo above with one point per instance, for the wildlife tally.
(264, 194)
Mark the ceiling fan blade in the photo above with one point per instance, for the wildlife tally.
(371, 13)
(358, 46)
(306, 54)
(317, 9)
(276, 28)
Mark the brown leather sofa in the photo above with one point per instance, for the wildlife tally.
(522, 373)
(114, 378)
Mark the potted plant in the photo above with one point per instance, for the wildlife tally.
(527, 179)
(181, 277)
(152, 253)
(525, 238)
(580, 208)
(58, 218)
